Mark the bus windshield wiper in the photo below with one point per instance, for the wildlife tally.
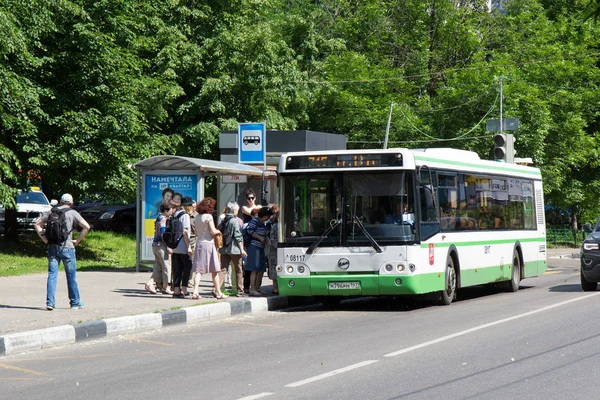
(317, 242)
(358, 222)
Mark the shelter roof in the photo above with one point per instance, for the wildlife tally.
(210, 167)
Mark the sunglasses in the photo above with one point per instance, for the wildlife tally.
(250, 198)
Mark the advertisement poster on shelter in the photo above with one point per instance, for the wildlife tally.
(155, 192)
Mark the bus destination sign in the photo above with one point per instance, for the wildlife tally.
(344, 161)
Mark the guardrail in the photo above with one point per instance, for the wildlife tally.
(562, 237)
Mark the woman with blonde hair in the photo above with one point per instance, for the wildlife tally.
(162, 261)
(190, 209)
(206, 259)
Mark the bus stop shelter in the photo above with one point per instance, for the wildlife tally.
(183, 175)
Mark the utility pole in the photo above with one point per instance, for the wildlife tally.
(387, 129)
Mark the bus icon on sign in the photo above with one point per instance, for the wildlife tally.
(251, 140)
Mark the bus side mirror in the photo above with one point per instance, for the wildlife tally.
(426, 197)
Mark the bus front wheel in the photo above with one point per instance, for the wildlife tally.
(449, 294)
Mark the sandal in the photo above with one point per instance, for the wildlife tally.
(149, 289)
(222, 296)
(195, 296)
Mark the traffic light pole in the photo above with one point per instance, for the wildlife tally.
(501, 104)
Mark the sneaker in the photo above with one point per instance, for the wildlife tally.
(254, 293)
(77, 306)
(166, 291)
(50, 308)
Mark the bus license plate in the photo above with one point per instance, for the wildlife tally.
(343, 285)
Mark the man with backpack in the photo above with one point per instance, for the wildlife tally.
(179, 243)
(58, 235)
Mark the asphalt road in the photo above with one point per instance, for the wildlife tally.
(539, 343)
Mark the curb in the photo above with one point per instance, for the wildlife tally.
(74, 333)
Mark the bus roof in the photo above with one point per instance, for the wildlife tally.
(446, 158)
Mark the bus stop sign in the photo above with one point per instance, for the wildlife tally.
(251, 143)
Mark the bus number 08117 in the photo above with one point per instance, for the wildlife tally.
(295, 257)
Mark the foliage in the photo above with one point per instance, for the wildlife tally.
(88, 88)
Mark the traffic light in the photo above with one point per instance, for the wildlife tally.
(504, 147)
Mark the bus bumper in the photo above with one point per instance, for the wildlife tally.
(359, 285)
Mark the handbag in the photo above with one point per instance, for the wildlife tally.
(218, 240)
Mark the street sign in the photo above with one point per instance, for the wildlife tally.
(509, 124)
(234, 179)
(251, 143)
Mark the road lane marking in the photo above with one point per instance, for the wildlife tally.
(331, 373)
(21, 379)
(552, 272)
(27, 371)
(149, 341)
(255, 324)
(484, 326)
(67, 357)
(256, 396)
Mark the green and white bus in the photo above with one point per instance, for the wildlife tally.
(406, 221)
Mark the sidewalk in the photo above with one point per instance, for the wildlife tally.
(107, 295)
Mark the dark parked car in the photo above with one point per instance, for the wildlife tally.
(97, 200)
(111, 217)
(590, 258)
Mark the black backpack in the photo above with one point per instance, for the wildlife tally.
(169, 236)
(226, 230)
(57, 231)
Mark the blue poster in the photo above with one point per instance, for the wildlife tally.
(156, 190)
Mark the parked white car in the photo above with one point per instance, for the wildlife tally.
(30, 206)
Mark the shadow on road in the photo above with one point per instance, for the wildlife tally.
(571, 288)
(396, 303)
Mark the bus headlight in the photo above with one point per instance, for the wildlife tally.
(400, 267)
(412, 267)
(290, 269)
(389, 267)
(301, 269)
(279, 268)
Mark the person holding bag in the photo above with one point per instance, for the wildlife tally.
(256, 261)
(233, 247)
(162, 261)
(206, 259)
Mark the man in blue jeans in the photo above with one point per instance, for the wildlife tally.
(64, 252)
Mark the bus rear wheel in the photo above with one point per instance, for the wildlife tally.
(515, 279)
(449, 294)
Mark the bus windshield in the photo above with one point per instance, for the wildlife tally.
(349, 208)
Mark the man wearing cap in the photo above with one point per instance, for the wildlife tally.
(64, 252)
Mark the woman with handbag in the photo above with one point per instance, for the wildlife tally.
(206, 259)
(256, 261)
